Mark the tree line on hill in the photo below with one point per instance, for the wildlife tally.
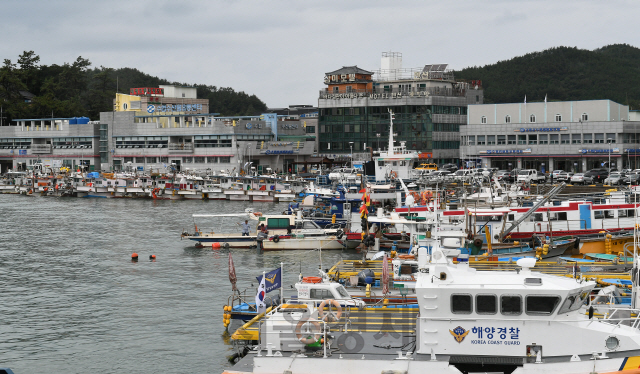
(31, 90)
(563, 74)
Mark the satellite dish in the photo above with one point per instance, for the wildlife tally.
(409, 200)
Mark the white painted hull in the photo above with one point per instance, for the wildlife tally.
(303, 244)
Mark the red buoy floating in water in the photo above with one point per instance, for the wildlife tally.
(215, 245)
(134, 256)
(152, 257)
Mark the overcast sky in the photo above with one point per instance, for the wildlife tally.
(280, 50)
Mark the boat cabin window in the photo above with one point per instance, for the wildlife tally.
(380, 163)
(538, 217)
(320, 294)
(573, 302)
(511, 305)
(486, 304)
(625, 213)
(558, 216)
(461, 304)
(541, 305)
(510, 217)
(608, 214)
(343, 292)
(598, 214)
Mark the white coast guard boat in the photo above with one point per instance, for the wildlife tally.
(490, 321)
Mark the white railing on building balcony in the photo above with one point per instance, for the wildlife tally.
(40, 148)
(181, 147)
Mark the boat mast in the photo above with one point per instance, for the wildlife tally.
(391, 117)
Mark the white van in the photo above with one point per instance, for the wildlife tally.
(528, 175)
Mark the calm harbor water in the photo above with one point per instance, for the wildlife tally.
(72, 301)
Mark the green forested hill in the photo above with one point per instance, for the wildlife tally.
(563, 73)
(74, 90)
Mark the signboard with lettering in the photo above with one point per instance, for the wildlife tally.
(163, 108)
(613, 150)
(541, 129)
(143, 91)
(374, 96)
(505, 151)
(506, 335)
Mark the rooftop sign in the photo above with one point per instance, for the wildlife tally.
(144, 91)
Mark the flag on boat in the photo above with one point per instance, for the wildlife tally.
(232, 272)
(260, 305)
(385, 274)
(273, 280)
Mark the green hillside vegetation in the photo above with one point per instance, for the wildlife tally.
(75, 89)
(563, 73)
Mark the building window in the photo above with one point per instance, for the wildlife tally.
(585, 117)
(533, 139)
(187, 160)
(599, 138)
(151, 160)
(139, 160)
(611, 138)
(212, 160)
(511, 139)
(544, 139)
(483, 119)
(565, 139)
(558, 118)
(225, 160)
(491, 140)
(472, 140)
(576, 139)
(587, 138)
(311, 129)
(481, 140)
(198, 160)
(164, 159)
(507, 119)
(522, 139)
(502, 139)
(335, 89)
(532, 118)
(553, 139)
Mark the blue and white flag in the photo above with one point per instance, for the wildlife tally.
(261, 307)
(274, 280)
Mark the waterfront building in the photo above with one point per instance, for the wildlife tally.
(151, 131)
(568, 135)
(429, 105)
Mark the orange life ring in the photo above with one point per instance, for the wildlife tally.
(153, 193)
(427, 195)
(407, 257)
(331, 315)
(393, 175)
(312, 280)
(257, 214)
(302, 337)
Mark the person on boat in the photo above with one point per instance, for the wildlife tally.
(245, 228)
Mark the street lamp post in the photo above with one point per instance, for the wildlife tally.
(609, 140)
(351, 153)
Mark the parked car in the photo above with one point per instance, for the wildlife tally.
(513, 175)
(463, 175)
(530, 175)
(501, 175)
(450, 167)
(597, 175)
(631, 178)
(555, 173)
(565, 176)
(614, 178)
(581, 178)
